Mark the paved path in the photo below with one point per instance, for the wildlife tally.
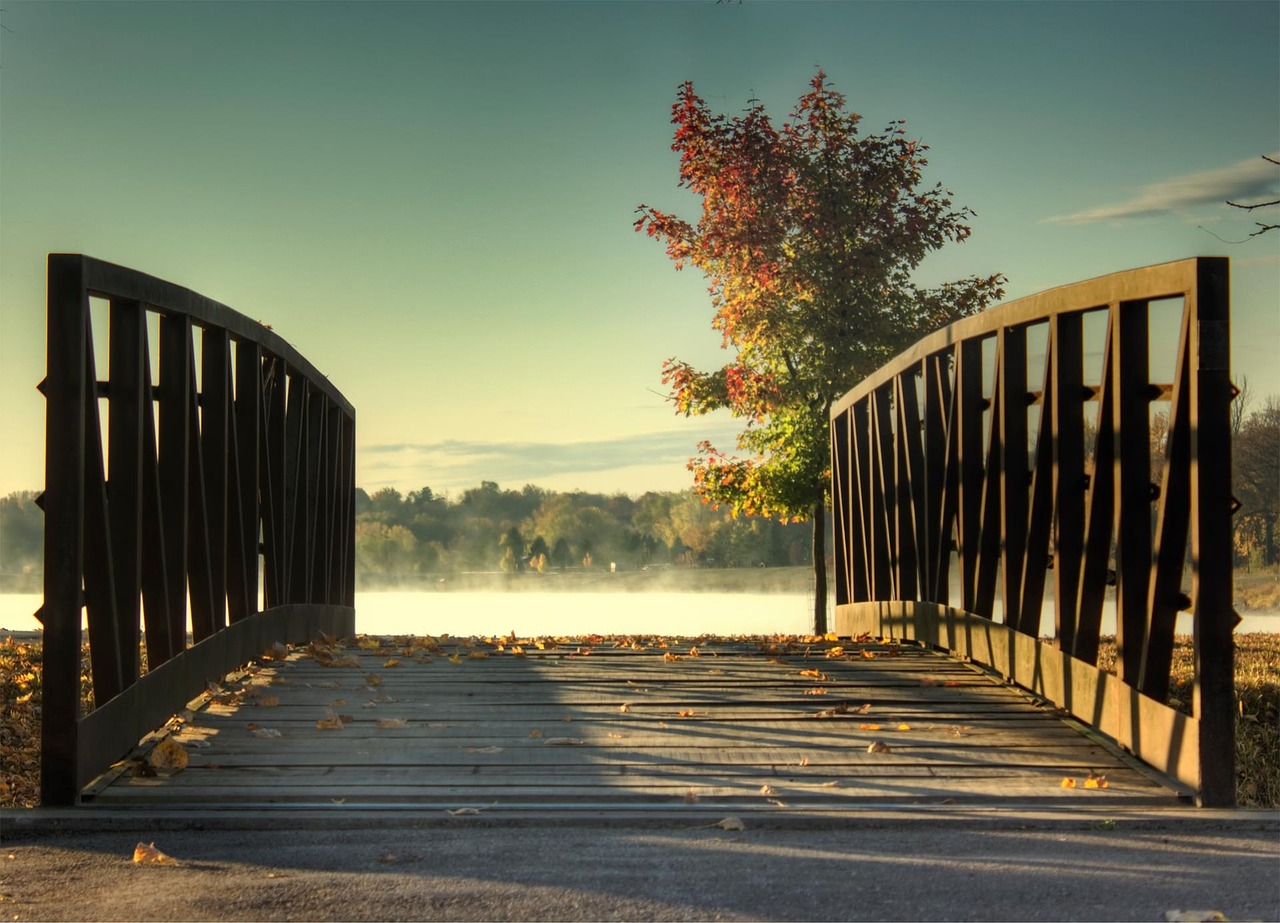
(949, 863)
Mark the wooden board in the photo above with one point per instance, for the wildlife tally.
(616, 726)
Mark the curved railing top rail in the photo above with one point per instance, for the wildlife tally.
(111, 280)
(1149, 283)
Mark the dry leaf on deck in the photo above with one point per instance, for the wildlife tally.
(904, 727)
(1068, 782)
(169, 754)
(732, 823)
(1095, 781)
(815, 674)
(879, 746)
(535, 734)
(816, 690)
(391, 662)
(389, 723)
(330, 721)
(147, 854)
(867, 655)
(265, 732)
(624, 707)
(868, 727)
(489, 749)
(767, 790)
(668, 656)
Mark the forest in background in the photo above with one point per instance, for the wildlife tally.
(488, 529)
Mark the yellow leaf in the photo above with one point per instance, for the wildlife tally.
(169, 754)
(455, 658)
(391, 662)
(1068, 782)
(831, 636)
(369, 644)
(815, 674)
(816, 690)
(517, 651)
(388, 723)
(868, 727)
(686, 713)
(624, 707)
(147, 854)
(904, 727)
(1094, 781)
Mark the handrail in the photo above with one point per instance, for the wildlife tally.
(934, 466)
(228, 514)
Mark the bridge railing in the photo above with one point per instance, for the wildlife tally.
(1074, 444)
(199, 499)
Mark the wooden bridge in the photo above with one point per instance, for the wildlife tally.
(235, 470)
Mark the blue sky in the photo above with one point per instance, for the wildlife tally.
(433, 201)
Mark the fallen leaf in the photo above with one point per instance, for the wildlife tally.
(1194, 916)
(169, 754)
(669, 657)
(731, 823)
(777, 801)
(455, 658)
(372, 679)
(686, 713)
(816, 690)
(330, 722)
(391, 662)
(1068, 782)
(147, 854)
(624, 707)
(904, 727)
(535, 734)
(477, 655)
(835, 652)
(265, 732)
(804, 761)
(482, 749)
(389, 723)
(337, 703)
(868, 727)
(815, 674)
(879, 746)
(1095, 781)
(867, 655)
(767, 790)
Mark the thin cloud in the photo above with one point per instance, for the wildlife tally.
(453, 463)
(1250, 179)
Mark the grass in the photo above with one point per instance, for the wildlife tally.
(1257, 680)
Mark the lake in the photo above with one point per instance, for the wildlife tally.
(585, 612)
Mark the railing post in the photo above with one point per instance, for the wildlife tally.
(64, 391)
(1211, 535)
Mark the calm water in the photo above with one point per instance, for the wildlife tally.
(579, 613)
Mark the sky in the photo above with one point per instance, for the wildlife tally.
(434, 201)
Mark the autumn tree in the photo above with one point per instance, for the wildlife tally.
(809, 236)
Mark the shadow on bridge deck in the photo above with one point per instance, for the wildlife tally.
(739, 726)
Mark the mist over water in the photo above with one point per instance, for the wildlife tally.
(582, 612)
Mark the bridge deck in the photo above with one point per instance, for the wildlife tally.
(608, 726)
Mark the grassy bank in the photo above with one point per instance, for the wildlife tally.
(1257, 729)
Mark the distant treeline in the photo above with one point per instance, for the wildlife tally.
(487, 528)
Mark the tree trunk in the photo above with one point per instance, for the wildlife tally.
(819, 570)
